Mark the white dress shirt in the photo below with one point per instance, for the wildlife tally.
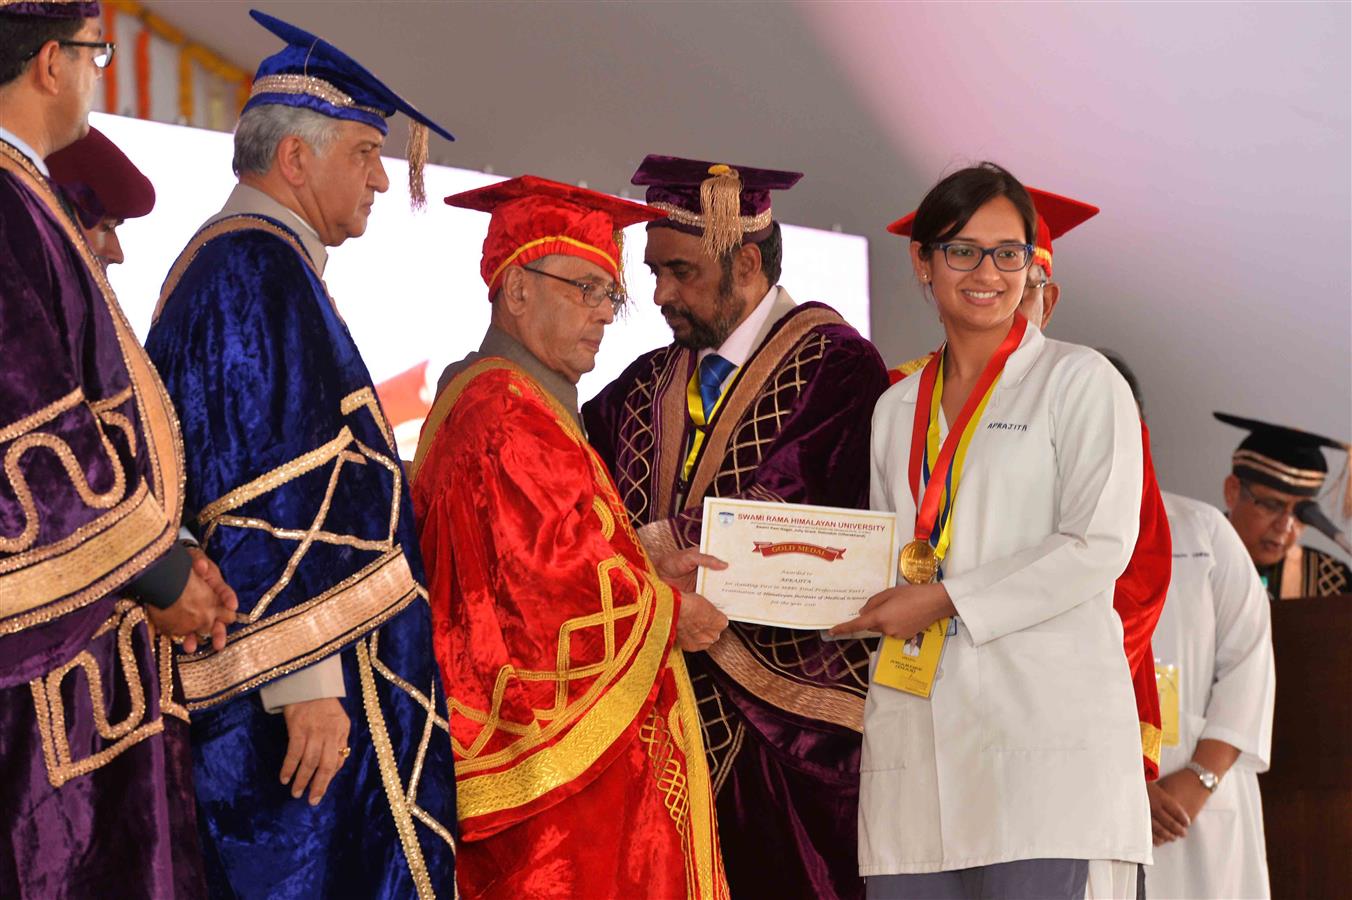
(745, 338)
(22, 146)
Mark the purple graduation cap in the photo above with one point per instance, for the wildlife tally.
(311, 73)
(55, 9)
(726, 205)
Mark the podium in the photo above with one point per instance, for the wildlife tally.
(1307, 794)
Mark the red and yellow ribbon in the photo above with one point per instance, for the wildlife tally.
(934, 511)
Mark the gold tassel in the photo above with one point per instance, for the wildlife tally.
(619, 261)
(1347, 485)
(417, 160)
(720, 198)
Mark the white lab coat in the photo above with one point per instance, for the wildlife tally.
(1029, 747)
(1217, 628)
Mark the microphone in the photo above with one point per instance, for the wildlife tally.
(1309, 512)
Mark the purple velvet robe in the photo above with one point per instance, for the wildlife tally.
(94, 759)
(781, 710)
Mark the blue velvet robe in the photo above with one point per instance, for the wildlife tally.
(94, 768)
(296, 489)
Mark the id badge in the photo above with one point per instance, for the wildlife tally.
(910, 665)
(1167, 681)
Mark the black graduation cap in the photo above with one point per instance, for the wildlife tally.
(1284, 459)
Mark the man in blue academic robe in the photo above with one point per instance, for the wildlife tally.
(322, 761)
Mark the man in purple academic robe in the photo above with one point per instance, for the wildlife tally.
(762, 399)
(94, 758)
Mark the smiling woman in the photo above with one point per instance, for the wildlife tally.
(1034, 693)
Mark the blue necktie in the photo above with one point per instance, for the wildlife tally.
(712, 370)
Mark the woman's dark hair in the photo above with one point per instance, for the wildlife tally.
(22, 35)
(951, 203)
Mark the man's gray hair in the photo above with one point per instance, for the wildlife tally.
(262, 128)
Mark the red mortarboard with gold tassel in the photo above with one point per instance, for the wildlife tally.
(535, 217)
(726, 205)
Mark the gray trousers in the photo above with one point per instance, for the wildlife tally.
(1022, 879)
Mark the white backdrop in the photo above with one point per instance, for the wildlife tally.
(410, 289)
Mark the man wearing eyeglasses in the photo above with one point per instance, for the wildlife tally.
(1275, 471)
(93, 734)
(579, 763)
(761, 398)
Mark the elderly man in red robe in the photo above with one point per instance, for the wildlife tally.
(579, 766)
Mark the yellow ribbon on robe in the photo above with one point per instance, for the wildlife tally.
(694, 403)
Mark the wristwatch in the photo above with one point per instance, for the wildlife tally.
(1210, 780)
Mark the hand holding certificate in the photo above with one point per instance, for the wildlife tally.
(795, 566)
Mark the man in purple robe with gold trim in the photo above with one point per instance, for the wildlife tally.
(763, 399)
(97, 795)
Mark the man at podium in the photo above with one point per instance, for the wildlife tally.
(1276, 470)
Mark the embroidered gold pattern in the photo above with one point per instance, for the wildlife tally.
(117, 561)
(310, 86)
(1152, 739)
(389, 775)
(301, 635)
(50, 706)
(684, 216)
(821, 703)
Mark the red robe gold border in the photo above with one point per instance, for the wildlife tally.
(579, 763)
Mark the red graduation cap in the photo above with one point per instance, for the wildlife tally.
(535, 217)
(1055, 216)
(100, 181)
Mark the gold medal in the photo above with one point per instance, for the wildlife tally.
(918, 564)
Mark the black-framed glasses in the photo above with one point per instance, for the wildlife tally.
(962, 257)
(592, 293)
(102, 56)
(1270, 507)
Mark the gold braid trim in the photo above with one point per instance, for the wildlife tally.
(299, 636)
(809, 701)
(745, 390)
(1303, 478)
(310, 86)
(49, 703)
(1152, 739)
(389, 776)
(114, 561)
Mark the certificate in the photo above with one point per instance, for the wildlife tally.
(795, 566)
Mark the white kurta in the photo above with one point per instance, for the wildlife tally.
(1216, 627)
(1029, 747)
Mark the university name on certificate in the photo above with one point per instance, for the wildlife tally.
(795, 566)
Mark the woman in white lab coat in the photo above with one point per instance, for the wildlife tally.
(1214, 642)
(1020, 775)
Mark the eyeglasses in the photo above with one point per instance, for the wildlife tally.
(102, 56)
(1270, 507)
(592, 293)
(968, 257)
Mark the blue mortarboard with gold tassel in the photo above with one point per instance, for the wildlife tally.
(311, 73)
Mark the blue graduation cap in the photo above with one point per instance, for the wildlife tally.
(311, 73)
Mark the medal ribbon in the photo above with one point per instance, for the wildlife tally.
(942, 479)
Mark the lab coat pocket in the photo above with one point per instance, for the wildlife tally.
(1039, 691)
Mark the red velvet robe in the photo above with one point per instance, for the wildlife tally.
(579, 763)
(1138, 596)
